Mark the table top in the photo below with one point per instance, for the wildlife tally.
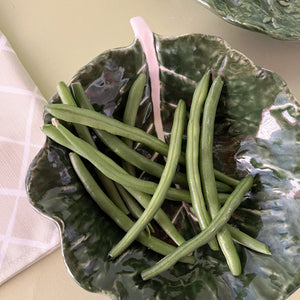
(53, 39)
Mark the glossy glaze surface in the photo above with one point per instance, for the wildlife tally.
(257, 131)
(277, 18)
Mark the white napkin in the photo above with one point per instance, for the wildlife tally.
(25, 236)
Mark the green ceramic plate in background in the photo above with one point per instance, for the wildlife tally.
(257, 131)
(277, 18)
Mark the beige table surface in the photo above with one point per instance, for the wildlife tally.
(55, 38)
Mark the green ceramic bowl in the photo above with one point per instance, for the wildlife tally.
(279, 19)
(257, 131)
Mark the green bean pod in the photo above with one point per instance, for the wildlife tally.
(222, 197)
(241, 237)
(247, 241)
(65, 94)
(66, 97)
(223, 187)
(136, 159)
(133, 103)
(207, 174)
(130, 112)
(163, 185)
(133, 100)
(99, 121)
(134, 208)
(192, 156)
(123, 221)
(112, 191)
(225, 179)
(221, 218)
(132, 205)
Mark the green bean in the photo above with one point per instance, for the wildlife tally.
(163, 185)
(138, 160)
(225, 179)
(134, 99)
(222, 197)
(192, 156)
(111, 191)
(67, 98)
(130, 112)
(223, 187)
(105, 164)
(221, 218)
(99, 121)
(123, 221)
(134, 208)
(65, 94)
(132, 205)
(247, 241)
(243, 238)
(80, 96)
(207, 174)
(160, 217)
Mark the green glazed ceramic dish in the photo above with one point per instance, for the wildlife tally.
(279, 19)
(257, 131)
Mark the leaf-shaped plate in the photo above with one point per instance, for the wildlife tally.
(257, 131)
(277, 18)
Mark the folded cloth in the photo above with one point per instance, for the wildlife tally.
(25, 236)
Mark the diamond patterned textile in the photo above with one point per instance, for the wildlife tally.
(25, 236)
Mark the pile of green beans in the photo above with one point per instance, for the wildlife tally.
(132, 202)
